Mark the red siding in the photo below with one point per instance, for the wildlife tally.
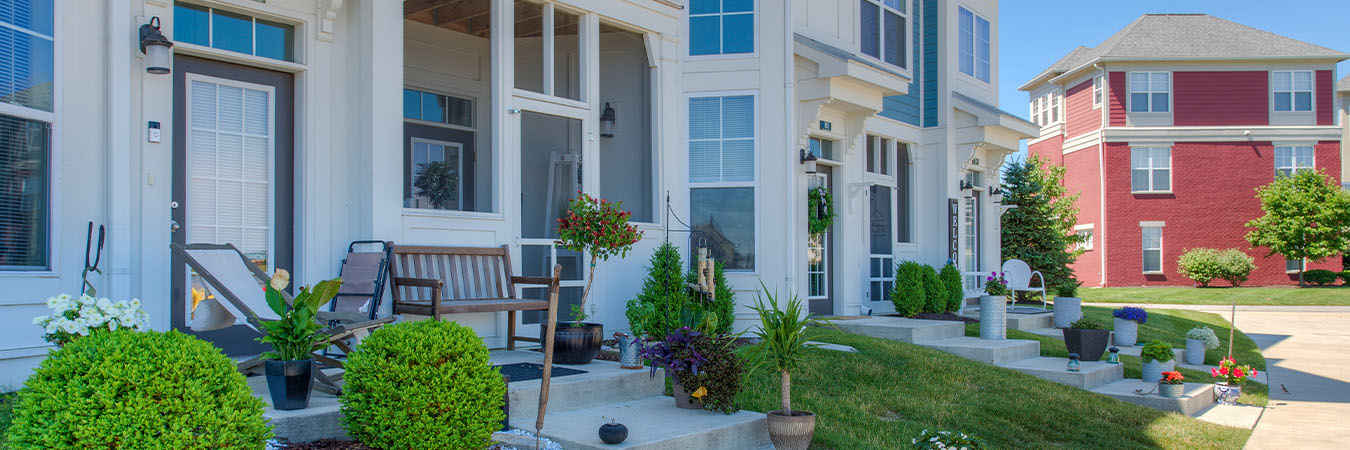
(1079, 117)
(1117, 97)
(1081, 178)
(1051, 149)
(1221, 98)
(1325, 103)
(1202, 211)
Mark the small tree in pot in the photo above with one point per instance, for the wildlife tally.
(290, 365)
(783, 335)
(1087, 338)
(601, 229)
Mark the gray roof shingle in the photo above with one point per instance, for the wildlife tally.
(1343, 85)
(1185, 36)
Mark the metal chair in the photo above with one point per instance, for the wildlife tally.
(1018, 275)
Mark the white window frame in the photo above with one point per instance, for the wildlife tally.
(1149, 225)
(297, 35)
(1302, 266)
(1129, 97)
(753, 183)
(1293, 92)
(1045, 109)
(1055, 110)
(1294, 167)
(975, 46)
(459, 170)
(1151, 169)
(473, 109)
(881, 35)
(883, 158)
(1084, 229)
(1098, 91)
(54, 190)
(722, 35)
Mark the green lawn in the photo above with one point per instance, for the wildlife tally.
(888, 392)
(1171, 325)
(1269, 295)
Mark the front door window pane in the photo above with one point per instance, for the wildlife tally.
(229, 150)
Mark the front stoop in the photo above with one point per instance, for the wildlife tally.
(987, 351)
(1093, 374)
(320, 420)
(1195, 396)
(654, 423)
(1024, 322)
(912, 331)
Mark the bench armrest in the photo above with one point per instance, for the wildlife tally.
(418, 282)
(543, 281)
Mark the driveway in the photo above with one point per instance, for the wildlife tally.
(1309, 382)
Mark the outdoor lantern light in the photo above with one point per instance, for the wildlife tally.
(1073, 363)
(1115, 355)
(996, 195)
(967, 189)
(607, 122)
(156, 48)
(808, 160)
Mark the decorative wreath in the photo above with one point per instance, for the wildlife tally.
(820, 205)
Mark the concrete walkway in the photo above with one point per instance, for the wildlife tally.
(1229, 308)
(1309, 382)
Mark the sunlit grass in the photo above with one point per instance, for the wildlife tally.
(1264, 295)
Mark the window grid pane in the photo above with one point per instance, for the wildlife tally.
(721, 27)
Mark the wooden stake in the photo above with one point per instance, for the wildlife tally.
(547, 340)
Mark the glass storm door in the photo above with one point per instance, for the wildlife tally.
(550, 176)
(818, 258)
(881, 261)
(970, 234)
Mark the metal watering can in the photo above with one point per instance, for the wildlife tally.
(629, 348)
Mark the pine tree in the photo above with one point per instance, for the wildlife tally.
(1040, 229)
(656, 310)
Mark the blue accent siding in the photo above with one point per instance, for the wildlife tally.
(930, 66)
(905, 108)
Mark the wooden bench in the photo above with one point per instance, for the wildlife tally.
(433, 281)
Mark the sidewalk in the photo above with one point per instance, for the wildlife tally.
(1309, 385)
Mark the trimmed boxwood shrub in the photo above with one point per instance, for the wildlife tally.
(934, 292)
(1204, 265)
(422, 385)
(1320, 277)
(142, 390)
(1237, 265)
(951, 279)
(908, 294)
(1345, 277)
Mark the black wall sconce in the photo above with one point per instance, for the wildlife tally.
(808, 160)
(607, 119)
(155, 47)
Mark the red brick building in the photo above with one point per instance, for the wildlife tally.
(1166, 128)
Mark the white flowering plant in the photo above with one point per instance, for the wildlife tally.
(74, 317)
(1204, 334)
(947, 440)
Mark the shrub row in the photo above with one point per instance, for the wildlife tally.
(1204, 265)
(921, 288)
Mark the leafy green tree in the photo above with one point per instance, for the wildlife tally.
(1307, 217)
(656, 310)
(1040, 229)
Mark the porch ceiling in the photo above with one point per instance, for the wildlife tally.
(474, 17)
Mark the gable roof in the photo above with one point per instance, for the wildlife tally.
(1187, 36)
(1343, 85)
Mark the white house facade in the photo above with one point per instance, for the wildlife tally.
(293, 127)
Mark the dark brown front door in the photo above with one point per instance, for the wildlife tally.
(233, 172)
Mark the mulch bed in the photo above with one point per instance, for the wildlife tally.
(947, 316)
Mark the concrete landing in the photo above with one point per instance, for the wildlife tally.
(987, 351)
(1019, 321)
(912, 331)
(1195, 396)
(1241, 416)
(1093, 374)
(605, 382)
(654, 423)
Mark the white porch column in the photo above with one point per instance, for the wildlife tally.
(376, 188)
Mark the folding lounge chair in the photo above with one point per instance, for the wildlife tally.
(363, 276)
(240, 282)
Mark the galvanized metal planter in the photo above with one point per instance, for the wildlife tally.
(993, 317)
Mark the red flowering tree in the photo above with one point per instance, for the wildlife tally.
(598, 227)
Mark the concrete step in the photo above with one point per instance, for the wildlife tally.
(604, 383)
(1093, 374)
(1047, 331)
(900, 329)
(987, 351)
(320, 420)
(654, 423)
(1194, 398)
(1030, 321)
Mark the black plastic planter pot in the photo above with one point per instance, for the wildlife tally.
(289, 383)
(575, 345)
(1088, 344)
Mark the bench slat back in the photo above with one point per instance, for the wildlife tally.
(476, 273)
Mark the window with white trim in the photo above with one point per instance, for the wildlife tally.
(225, 30)
(1294, 265)
(1292, 159)
(1045, 109)
(1292, 90)
(27, 75)
(1150, 169)
(1097, 91)
(882, 30)
(1084, 233)
(1054, 107)
(722, 177)
(974, 45)
(1152, 247)
(721, 27)
(879, 151)
(440, 162)
(1150, 91)
(1035, 115)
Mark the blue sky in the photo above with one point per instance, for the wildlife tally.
(1033, 37)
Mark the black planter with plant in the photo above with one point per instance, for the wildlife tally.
(575, 342)
(1087, 338)
(600, 228)
(289, 367)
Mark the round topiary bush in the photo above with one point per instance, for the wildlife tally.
(143, 390)
(909, 294)
(422, 385)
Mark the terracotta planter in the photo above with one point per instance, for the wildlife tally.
(682, 399)
(289, 383)
(791, 431)
(1088, 344)
(575, 345)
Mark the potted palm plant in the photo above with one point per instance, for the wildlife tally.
(289, 367)
(600, 228)
(1087, 338)
(1158, 358)
(783, 335)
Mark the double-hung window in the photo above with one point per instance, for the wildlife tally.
(1152, 246)
(1084, 235)
(1097, 89)
(1054, 107)
(1150, 169)
(1045, 109)
(720, 27)
(883, 24)
(1293, 90)
(974, 31)
(1150, 91)
(1292, 159)
(27, 79)
(722, 177)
